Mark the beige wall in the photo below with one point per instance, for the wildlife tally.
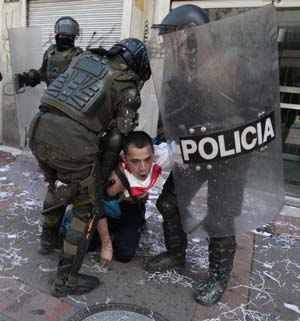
(12, 15)
(144, 14)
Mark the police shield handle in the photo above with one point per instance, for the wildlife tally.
(1, 77)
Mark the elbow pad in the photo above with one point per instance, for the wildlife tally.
(112, 148)
(127, 121)
(105, 165)
(127, 118)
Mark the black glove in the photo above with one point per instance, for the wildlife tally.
(30, 78)
(19, 81)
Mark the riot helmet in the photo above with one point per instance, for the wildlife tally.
(185, 16)
(66, 30)
(134, 53)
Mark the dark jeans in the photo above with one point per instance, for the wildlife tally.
(125, 231)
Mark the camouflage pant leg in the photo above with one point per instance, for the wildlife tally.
(225, 198)
(52, 211)
(76, 241)
(175, 237)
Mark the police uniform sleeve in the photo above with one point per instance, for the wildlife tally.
(125, 122)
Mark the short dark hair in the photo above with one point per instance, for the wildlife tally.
(139, 139)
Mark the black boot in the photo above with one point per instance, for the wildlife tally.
(176, 243)
(221, 256)
(175, 237)
(68, 282)
(164, 262)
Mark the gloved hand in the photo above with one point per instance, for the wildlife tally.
(19, 81)
(0, 76)
(30, 78)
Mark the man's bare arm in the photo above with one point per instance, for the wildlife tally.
(106, 245)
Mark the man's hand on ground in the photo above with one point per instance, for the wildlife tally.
(106, 254)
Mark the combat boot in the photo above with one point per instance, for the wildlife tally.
(176, 243)
(165, 261)
(221, 256)
(175, 237)
(72, 283)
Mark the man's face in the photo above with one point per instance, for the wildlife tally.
(139, 161)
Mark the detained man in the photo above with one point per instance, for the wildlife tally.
(141, 164)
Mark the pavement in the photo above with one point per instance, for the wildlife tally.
(265, 282)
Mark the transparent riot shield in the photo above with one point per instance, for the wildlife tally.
(148, 112)
(25, 49)
(218, 91)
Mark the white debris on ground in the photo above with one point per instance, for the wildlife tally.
(21, 195)
(172, 277)
(20, 205)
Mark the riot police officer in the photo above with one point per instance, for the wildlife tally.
(76, 138)
(57, 57)
(221, 250)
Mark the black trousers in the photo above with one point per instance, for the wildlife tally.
(125, 231)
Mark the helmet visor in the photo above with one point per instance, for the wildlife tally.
(67, 27)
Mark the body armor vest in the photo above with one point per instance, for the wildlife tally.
(58, 61)
(84, 91)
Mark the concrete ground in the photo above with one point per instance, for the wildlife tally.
(265, 283)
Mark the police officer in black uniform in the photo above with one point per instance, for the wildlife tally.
(221, 250)
(76, 138)
(57, 57)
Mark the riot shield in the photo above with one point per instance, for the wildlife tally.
(25, 49)
(148, 112)
(218, 92)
